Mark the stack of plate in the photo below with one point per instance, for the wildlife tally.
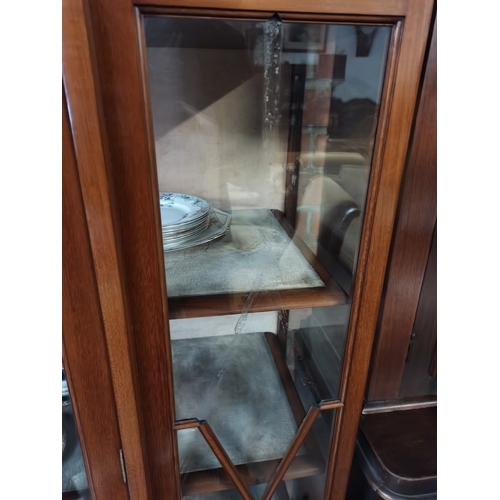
(187, 221)
(182, 217)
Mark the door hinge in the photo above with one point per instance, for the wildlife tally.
(124, 469)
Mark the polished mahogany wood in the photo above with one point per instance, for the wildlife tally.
(361, 7)
(410, 248)
(420, 372)
(346, 18)
(356, 360)
(407, 50)
(144, 324)
(200, 306)
(84, 344)
(403, 449)
(83, 95)
(133, 178)
(204, 12)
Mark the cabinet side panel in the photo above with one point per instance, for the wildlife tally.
(420, 375)
(411, 245)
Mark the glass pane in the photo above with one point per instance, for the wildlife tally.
(257, 491)
(313, 485)
(315, 348)
(74, 478)
(264, 134)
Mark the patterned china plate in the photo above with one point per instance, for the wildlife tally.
(183, 229)
(179, 209)
(185, 234)
(219, 225)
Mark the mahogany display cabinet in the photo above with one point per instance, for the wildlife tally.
(231, 173)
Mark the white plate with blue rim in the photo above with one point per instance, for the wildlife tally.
(219, 225)
(182, 210)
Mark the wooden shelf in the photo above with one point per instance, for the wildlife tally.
(240, 385)
(259, 265)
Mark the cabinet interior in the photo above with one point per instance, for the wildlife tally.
(272, 123)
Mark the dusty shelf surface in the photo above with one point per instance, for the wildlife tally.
(256, 254)
(73, 469)
(232, 382)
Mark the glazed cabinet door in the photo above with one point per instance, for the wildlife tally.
(251, 163)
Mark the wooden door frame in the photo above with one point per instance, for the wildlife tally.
(104, 275)
(85, 355)
(128, 173)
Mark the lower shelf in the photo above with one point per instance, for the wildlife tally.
(74, 478)
(241, 386)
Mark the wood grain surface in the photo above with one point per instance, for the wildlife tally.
(406, 57)
(133, 192)
(84, 344)
(359, 7)
(83, 96)
(235, 303)
(134, 185)
(404, 444)
(419, 377)
(411, 245)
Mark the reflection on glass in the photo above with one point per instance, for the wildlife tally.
(316, 342)
(264, 135)
(257, 491)
(74, 478)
